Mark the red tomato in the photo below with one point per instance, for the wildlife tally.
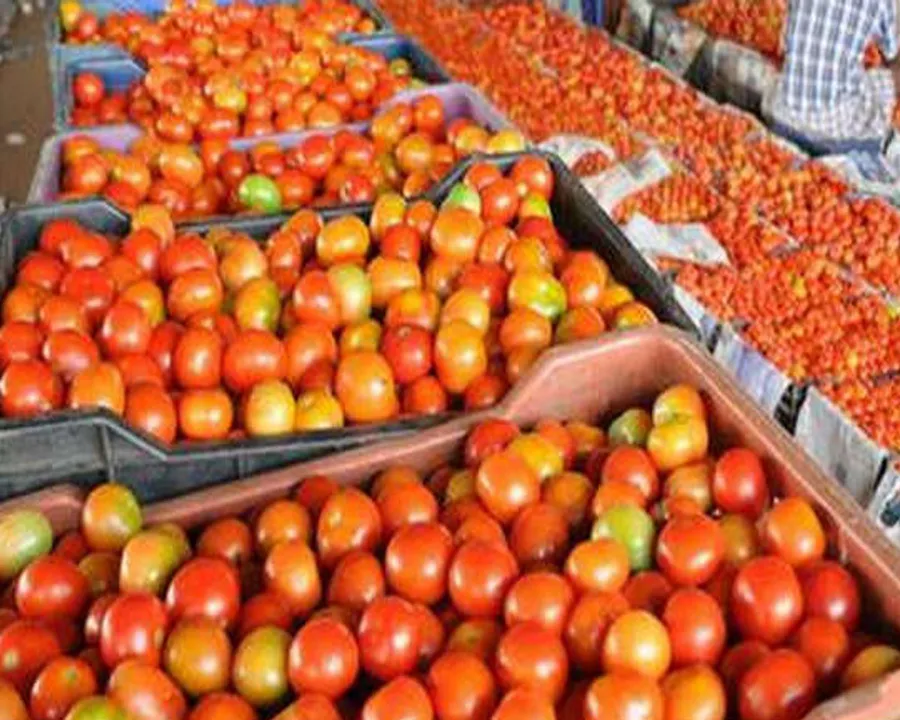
(402, 697)
(29, 388)
(19, 341)
(98, 386)
(462, 687)
(205, 414)
(481, 573)
(634, 466)
(254, 356)
(133, 627)
(690, 549)
(792, 531)
(739, 483)
(408, 350)
(68, 352)
(696, 627)
(487, 438)
(26, 646)
(417, 560)
(766, 600)
(830, 591)
(530, 656)
(61, 684)
(389, 637)
(323, 658)
(543, 598)
(779, 686)
(205, 587)
(197, 359)
(125, 329)
(623, 695)
(52, 586)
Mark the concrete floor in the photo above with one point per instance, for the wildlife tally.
(26, 106)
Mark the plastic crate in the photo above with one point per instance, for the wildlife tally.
(88, 447)
(62, 54)
(120, 73)
(459, 101)
(594, 381)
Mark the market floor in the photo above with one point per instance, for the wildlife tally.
(26, 106)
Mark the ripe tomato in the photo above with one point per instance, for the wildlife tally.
(696, 627)
(417, 561)
(197, 656)
(357, 580)
(539, 536)
(349, 521)
(205, 587)
(26, 647)
(145, 692)
(543, 598)
(792, 531)
(780, 685)
(505, 484)
(364, 385)
(290, 570)
(42, 270)
(281, 521)
(487, 438)
(151, 409)
(690, 549)
(222, 706)
(624, 695)
(389, 637)
(125, 329)
(29, 388)
(20, 341)
(92, 288)
(51, 586)
(61, 684)
(480, 575)
(161, 348)
(425, 396)
(406, 505)
(98, 386)
(254, 356)
(69, 352)
(632, 465)
(637, 642)
(323, 658)
(205, 414)
(825, 645)
(462, 687)
(133, 627)
(598, 566)
(530, 656)
(587, 625)
(739, 483)
(533, 174)
(408, 350)
(401, 697)
(830, 591)
(766, 600)
(266, 608)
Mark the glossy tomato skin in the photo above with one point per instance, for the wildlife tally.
(780, 685)
(205, 587)
(29, 388)
(389, 637)
(133, 628)
(480, 575)
(26, 646)
(696, 627)
(690, 549)
(357, 580)
(323, 658)
(51, 586)
(530, 656)
(766, 600)
(739, 483)
(402, 697)
(61, 684)
(830, 591)
(417, 560)
(462, 687)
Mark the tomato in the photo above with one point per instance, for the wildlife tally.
(543, 598)
(690, 549)
(766, 600)
(402, 697)
(96, 707)
(462, 687)
(40, 269)
(587, 625)
(197, 359)
(425, 396)
(637, 642)
(205, 587)
(825, 645)
(19, 341)
(133, 627)
(696, 627)
(455, 234)
(194, 291)
(780, 685)
(98, 386)
(571, 493)
(26, 647)
(792, 531)
(151, 409)
(539, 536)
(533, 174)
(139, 370)
(539, 291)
(281, 521)
(259, 672)
(830, 591)
(323, 658)
(254, 356)
(205, 414)
(600, 565)
(408, 350)
(110, 516)
(480, 575)
(305, 345)
(739, 483)
(197, 656)
(92, 288)
(61, 684)
(505, 484)
(29, 388)
(163, 341)
(870, 664)
(417, 561)
(222, 706)
(623, 695)
(632, 465)
(349, 520)
(679, 442)
(364, 385)
(51, 586)
(357, 580)
(389, 637)
(631, 526)
(145, 692)
(290, 570)
(532, 657)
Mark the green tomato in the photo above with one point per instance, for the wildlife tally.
(96, 707)
(631, 526)
(631, 428)
(260, 194)
(25, 535)
(149, 561)
(465, 197)
(534, 205)
(259, 672)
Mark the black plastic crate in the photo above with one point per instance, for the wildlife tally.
(90, 447)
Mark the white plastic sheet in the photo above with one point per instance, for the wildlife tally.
(840, 448)
(755, 374)
(571, 148)
(706, 322)
(609, 188)
(884, 508)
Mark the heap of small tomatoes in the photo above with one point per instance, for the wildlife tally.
(564, 572)
(188, 33)
(421, 311)
(406, 149)
(319, 86)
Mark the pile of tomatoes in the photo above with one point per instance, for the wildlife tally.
(407, 148)
(321, 86)
(186, 34)
(424, 309)
(564, 572)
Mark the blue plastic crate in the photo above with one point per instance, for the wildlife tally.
(119, 73)
(62, 54)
